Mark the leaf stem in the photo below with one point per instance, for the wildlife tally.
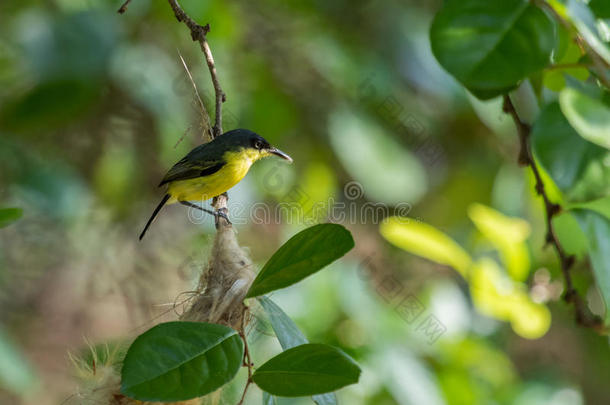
(526, 158)
(247, 359)
(198, 33)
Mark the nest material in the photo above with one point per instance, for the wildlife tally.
(224, 284)
(222, 288)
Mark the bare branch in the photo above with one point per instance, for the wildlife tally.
(198, 33)
(205, 117)
(583, 315)
(124, 7)
(247, 359)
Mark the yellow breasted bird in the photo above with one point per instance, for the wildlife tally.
(213, 168)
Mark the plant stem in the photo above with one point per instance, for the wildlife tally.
(247, 360)
(526, 158)
(198, 33)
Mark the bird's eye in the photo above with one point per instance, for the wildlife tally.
(258, 145)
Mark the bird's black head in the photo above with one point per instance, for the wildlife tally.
(255, 145)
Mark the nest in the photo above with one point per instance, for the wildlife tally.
(219, 298)
(223, 284)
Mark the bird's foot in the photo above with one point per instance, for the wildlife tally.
(222, 213)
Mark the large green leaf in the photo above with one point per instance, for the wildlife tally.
(601, 8)
(9, 215)
(307, 370)
(289, 336)
(597, 229)
(589, 117)
(302, 255)
(490, 45)
(176, 361)
(559, 149)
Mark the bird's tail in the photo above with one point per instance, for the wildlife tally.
(154, 214)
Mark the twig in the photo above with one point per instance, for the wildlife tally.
(198, 33)
(526, 158)
(247, 360)
(205, 118)
(124, 7)
(186, 131)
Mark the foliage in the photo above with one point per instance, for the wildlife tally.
(500, 293)
(182, 360)
(9, 215)
(304, 254)
(96, 106)
(490, 46)
(505, 44)
(306, 370)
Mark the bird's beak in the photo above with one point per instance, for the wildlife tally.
(277, 152)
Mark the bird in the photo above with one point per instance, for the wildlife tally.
(212, 168)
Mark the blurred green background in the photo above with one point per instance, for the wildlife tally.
(96, 106)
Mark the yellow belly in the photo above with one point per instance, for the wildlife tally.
(206, 187)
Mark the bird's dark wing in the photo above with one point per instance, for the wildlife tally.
(201, 161)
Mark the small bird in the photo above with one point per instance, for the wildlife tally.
(212, 168)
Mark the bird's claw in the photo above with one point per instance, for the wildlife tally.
(222, 212)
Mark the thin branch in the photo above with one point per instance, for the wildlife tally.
(198, 33)
(124, 7)
(186, 131)
(526, 157)
(247, 359)
(205, 117)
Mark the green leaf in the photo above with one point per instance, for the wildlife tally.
(559, 149)
(601, 206)
(287, 332)
(490, 45)
(570, 234)
(597, 229)
(176, 361)
(302, 255)
(507, 234)
(289, 336)
(426, 241)
(9, 215)
(588, 116)
(601, 8)
(307, 370)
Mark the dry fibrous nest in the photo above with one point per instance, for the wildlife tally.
(219, 297)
